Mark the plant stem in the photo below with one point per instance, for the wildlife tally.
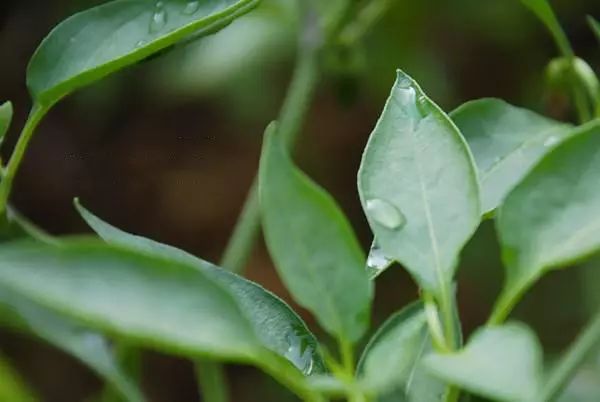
(572, 359)
(35, 117)
(212, 381)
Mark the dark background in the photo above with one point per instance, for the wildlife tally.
(168, 149)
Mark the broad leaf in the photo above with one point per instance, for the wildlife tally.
(390, 357)
(6, 113)
(12, 386)
(595, 25)
(503, 363)
(314, 248)
(104, 39)
(165, 304)
(89, 347)
(418, 186)
(552, 218)
(506, 142)
(276, 324)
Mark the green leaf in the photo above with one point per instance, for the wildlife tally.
(276, 324)
(506, 142)
(503, 363)
(6, 114)
(552, 218)
(390, 357)
(152, 301)
(418, 186)
(595, 25)
(89, 347)
(314, 248)
(97, 42)
(542, 9)
(12, 386)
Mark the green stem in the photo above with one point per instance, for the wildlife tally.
(573, 358)
(35, 117)
(212, 381)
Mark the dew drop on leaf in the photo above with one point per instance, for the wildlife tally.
(423, 105)
(191, 7)
(300, 351)
(377, 260)
(385, 214)
(159, 18)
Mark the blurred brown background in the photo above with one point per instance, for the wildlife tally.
(169, 147)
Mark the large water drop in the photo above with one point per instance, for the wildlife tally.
(191, 7)
(159, 18)
(300, 351)
(385, 214)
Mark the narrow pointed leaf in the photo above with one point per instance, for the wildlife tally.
(552, 218)
(503, 363)
(418, 186)
(6, 114)
(12, 386)
(595, 25)
(314, 248)
(542, 9)
(390, 357)
(276, 324)
(152, 301)
(506, 142)
(104, 39)
(89, 347)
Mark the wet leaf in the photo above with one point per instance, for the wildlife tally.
(99, 41)
(418, 186)
(276, 324)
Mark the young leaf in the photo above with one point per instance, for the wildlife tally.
(390, 357)
(503, 363)
(506, 142)
(165, 304)
(544, 12)
(418, 186)
(276, 324)
(6, 113)
(12, 386)
(552, 218)
(595, 25)
(104, 39)
(313, 246)
(89, 347)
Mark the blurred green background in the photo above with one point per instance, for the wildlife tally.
(168, 149)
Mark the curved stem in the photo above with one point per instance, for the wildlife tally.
(573, 358)
(35, 117)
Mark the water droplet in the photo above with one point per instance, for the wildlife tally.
(385, 214)
(377, 260)
(159, 18)
(423, 105)
(140, 43)
(300, 350)
(405, 95)
(191, 7)
(551, 141)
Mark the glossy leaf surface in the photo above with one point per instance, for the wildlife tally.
(159, 303)
(503, 363)
(418, 186)
(552, 218)
(313, 246)
(6, 113)
(391, 355)
(506, 142)
(104, 39)
(89, 347)
(276, 324)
